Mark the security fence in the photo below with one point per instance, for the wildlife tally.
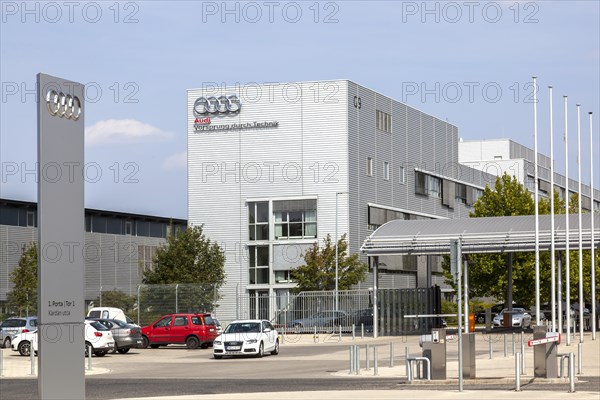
(302, 312)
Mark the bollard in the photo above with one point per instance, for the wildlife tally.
(357, 355)
(362, 331)
(517, 372)
(406, 360)
(579, 358)
(523, 357)
(315, 340)
(490, 347)
(571, 373)
(375, 369)
(351, 369)
(340, 334)
(367, 355)
(89, 357)
(31, 358)
(391, 354)
(513, 343)
(353, 333)
(505, 349)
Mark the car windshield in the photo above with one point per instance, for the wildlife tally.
(121, 324)
(243, 327)
(98, 326)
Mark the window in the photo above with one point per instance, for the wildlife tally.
(258, 264)
(369, 166)
(379, 216)
(164, 322)
(384, 121)
(386, 171)
(30, 218)
(461, 193)
(402, 175)
(128, 227)
(295, 219)
(180, 321)
(283, 277)
(258, 221)
(145, 256)
(434, 186)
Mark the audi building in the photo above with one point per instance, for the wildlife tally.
(273, 168)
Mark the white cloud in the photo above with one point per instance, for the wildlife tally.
(123, 131)
(176, 161)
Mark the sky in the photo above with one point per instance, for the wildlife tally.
(470, 63)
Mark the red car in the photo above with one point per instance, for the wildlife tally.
(193, 330)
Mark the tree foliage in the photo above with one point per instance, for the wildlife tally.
(488, 272)
(118, 299)
(190, 258)
(23, 296)
(318, 272)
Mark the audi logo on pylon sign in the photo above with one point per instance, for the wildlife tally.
(63, 105)
(217, 105)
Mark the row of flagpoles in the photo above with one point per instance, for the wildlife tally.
(557, 297)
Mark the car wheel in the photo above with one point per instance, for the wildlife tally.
(276, 349)
(100, 353)
(261, 350)
(24, 348)
(145, 342)
(217, 357)
(192, 342)
(6, 343)
(123, 351)
(88, 346)
(154, 346)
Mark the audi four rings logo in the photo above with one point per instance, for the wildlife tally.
(217, 105)
(63, 105)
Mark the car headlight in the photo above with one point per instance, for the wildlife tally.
(251, 341)
(217, 342)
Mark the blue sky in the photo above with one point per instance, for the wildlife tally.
(138, 58)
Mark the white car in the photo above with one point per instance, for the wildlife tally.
(520, 318)
(248, 337)
(96, 335)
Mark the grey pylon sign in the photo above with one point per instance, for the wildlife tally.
(60, 113)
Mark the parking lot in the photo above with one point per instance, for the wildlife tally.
(306, 363)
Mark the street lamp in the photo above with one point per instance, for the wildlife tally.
(336, 250)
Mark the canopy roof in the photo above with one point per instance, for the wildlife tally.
(480, 235)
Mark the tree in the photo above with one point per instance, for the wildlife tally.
(318, 272)
(118, 299)
(188, 257)
(23, 295)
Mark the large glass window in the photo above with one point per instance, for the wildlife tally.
(461, 193)
(258, 221)
(258, 264)
(295, 219)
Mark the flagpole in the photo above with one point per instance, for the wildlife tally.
(536, 202)
(579, 223)
(552, 248)
(593, 266)
(567, 256)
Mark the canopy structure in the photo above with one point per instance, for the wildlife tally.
(480, 235)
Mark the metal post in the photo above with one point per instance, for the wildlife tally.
(505, 349)
(89, 357)
(567, 230)
(579, 358)
(340, 334)
(353, 332)
(571, 373)
(375, 367)
(406, 361)
(362, 331)
(375, 301)
(466, 295)
(351, 369)
(336, 252)
(522, 354)
(315, 336)
(518, 372)
(513, 343)
(391, 354)
(490, 348)
(593, 256)
(138, 304)
(357, 355)
(176, 299)
(367, 355)
(32, 358)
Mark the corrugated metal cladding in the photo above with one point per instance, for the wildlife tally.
(111, 261)
(305, 155)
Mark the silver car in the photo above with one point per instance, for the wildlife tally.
(520, 318)
(14, 326)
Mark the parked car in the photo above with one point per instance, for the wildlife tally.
(218, 325)
(97, 337)
(247, 337)
(496, 308)
(363, 317)
(323, 319)
(193, 330)
(520, 318)
(14, 326)
(110, 313)
(126, 336)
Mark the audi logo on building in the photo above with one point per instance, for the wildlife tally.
(217, 105)
(63, 105)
